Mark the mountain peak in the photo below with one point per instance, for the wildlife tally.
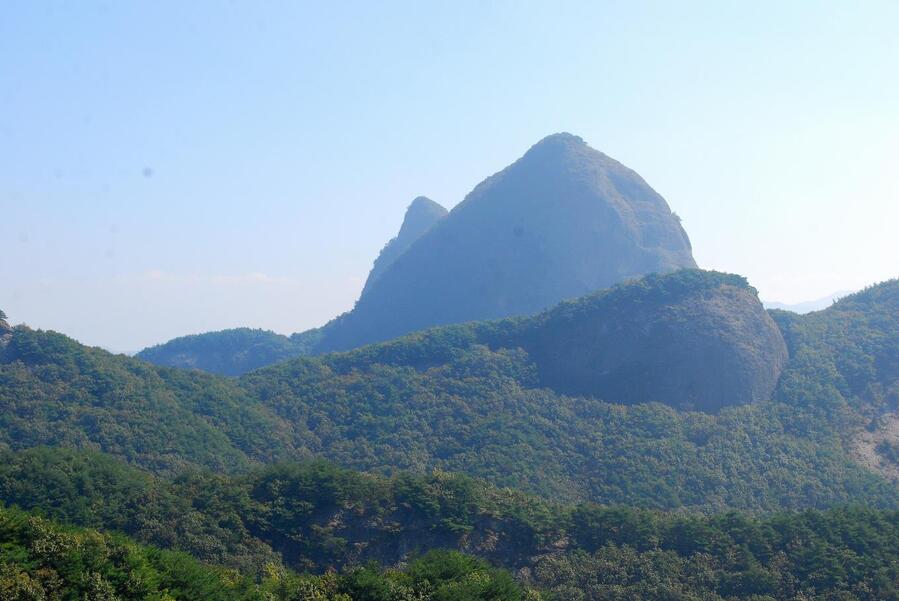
(561, 221)
(421, 214)
(423, 202)
(560, 138)
(554, 144)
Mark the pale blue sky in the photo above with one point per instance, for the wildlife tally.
(176, 167)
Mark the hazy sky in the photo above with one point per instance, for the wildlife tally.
(175, 167)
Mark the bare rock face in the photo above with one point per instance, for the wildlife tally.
(692, 339)
(561, 222)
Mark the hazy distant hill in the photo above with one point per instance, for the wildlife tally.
(562, 221)
(809, 306)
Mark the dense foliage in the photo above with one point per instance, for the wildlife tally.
(848, 554)
(40, 561)
(317, 516)
(231, 352)
(473, 415)
(847, 354)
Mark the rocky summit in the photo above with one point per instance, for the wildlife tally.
(562, 221)
(420, 216)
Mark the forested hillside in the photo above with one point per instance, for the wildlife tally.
(315, 516)
(473, 399)
(54, 391)
(40, 560)
(847, 353)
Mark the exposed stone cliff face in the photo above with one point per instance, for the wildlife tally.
(562, 221)
(694, 340)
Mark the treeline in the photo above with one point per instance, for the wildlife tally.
(318, 518)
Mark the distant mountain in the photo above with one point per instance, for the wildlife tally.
(809, 306)
(562, 221)
(421, 215)
(231, 352)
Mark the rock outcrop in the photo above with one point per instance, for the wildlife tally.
(692, 339)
